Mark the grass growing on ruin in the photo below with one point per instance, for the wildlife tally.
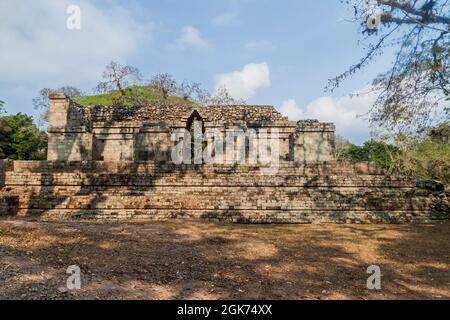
(134, 95)
(426, 160)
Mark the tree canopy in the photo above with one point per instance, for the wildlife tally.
(118, 77)
(21, 139)
(412, 93)
(41, 102)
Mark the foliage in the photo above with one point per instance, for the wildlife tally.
(193, 91)
(165, 84)
(425, 157)
(41, 102)
(20, 138)
(440, 133)
(220, 98)
(163, 89)
(120, 87)
(342, 146)
(188, 90)
(375, 151)
(413, 90)
(118, 77)
(133, 95)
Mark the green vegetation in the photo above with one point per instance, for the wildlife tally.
(375, 151)
(427, 157)
(134, 95)
(410, 92)
(123, 86)
(21, 139)
(427, 160)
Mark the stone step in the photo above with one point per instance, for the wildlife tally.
(329, 192)
(248, 216)
(340, 168)
(218, 199)
(295, 194)
(77, 179)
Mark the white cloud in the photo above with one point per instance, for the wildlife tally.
(245, 83)
(191, 37)
(226, 19)
(346, 112)
(38, 47)
(290, 109)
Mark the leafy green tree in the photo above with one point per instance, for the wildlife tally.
(21, 139)
(375, 151)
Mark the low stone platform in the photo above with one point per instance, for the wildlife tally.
(314, 193)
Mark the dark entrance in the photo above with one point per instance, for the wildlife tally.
(196, 127)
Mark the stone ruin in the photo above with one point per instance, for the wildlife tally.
(142, 134)
(118, 162)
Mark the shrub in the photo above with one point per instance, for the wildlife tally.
(426, 159)
(21, 139)
(375, 151)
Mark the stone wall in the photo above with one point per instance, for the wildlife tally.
(5, 165)
(313, 142)
(115, 162)
(103, 133)
(313, 193)
(9, 203)
(69, 133)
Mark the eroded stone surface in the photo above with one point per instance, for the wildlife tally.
(315, 193)
(115, 163)
(78, 133)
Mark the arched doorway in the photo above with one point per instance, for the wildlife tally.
(196, 127)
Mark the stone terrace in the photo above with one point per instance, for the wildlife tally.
(315, 193)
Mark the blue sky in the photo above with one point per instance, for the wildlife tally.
(268, 52)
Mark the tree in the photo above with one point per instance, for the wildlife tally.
(118, 77)
(440, 133)
(168, 86)
(187, 90)
(41, 102)
(411, 93)
(20, 138)
(375, 151)
(220, 98)
(342, 147)
(164, 83)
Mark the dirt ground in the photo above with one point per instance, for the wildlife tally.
(201, 260)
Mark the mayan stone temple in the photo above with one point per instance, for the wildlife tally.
(244, 164)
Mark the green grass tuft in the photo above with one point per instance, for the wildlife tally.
(134, 95)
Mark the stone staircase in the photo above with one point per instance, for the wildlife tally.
(315, 193)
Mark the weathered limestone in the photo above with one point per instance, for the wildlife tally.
(69, 137)
(79, 133)
(314, 193)
(116, 162)
(314, 142)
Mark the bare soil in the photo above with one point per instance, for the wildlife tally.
(202, 260)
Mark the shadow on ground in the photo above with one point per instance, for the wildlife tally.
(200, 260)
